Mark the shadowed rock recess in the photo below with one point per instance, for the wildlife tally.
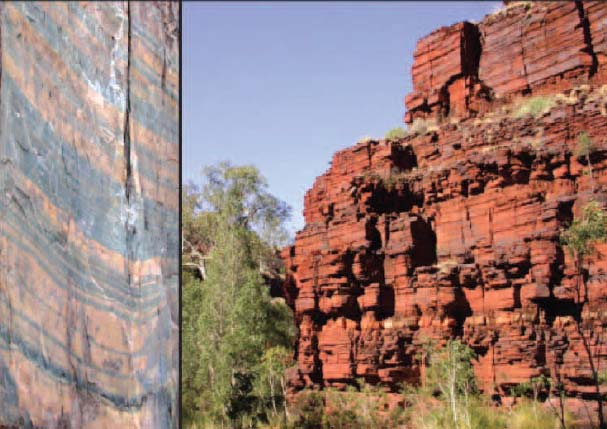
(89, 246)
(453, 231)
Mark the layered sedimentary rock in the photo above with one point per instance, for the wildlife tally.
(454, 232)
(526, 48)
(89, 214)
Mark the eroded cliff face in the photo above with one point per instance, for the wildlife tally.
(89, 214)
(454, 231)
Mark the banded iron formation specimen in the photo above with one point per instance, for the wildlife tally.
(89, 245)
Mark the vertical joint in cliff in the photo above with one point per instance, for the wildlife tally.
(471, 49)
(585, 24)
(127, 113)
(527, 89)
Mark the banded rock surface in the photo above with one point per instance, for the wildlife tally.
(454, 231)
(89, 214)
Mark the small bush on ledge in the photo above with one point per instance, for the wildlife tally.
(534, 106)
(396, 177)
(396, 133)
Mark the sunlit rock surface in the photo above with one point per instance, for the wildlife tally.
(454, 231)
(89, 214)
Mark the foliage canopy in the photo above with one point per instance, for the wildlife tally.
(236, 338)
(586, 231)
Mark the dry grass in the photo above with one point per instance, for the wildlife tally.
(399, 177)
(535, 106)
(365, 139)
(422, 126)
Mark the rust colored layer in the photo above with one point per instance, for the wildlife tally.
(455, 233)
(528, 48)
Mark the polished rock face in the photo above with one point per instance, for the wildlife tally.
(454, 232)
(89, 157)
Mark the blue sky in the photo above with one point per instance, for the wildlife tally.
(283, 85)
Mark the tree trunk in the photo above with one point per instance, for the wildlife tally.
(284, 395)
(590, 172)
(273, 395)
(560, 412)
(562, 407)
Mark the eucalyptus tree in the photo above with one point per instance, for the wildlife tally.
(229, 318)
(580, 239)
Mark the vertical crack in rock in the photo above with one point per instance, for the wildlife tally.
(521, 40)
(163, 78)
(128, 186)
(127, 137)
(80, 345)
(471, 49)
(585, 24)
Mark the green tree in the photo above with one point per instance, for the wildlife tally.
(229, 319)
(191, 298)
(583, 149)
(580, 239)
(452, 374)
(271, 382)
(308, 410)
(239, 196)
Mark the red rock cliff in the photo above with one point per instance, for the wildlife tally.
(454, 231)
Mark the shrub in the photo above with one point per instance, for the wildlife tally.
(307, 411)
(365, 407)
(372, 408)
(396, 133)
(584, 146)
(451, 376)
(534, 106)
(583, 233)
(531, 415)
(532, 388)
(583, 150)
(342, 410)
(396, 177)
(476, 414)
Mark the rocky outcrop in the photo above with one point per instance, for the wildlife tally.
(89, 214)
(454, 231)
(526, 48)
(445, 73)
